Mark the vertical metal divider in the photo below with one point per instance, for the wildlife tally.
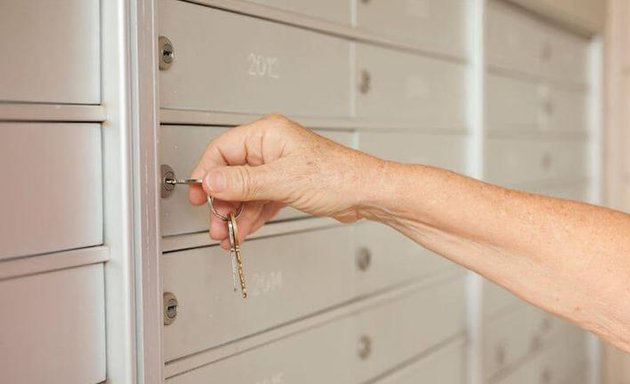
(146, 196)
(476, 119)
(120, 303)
(596, 143)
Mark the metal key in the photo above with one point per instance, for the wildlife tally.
(235, 247)
(235, 250)
(183, 181)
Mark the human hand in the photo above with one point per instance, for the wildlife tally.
(275, 162)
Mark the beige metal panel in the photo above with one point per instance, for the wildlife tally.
(434, 25)
(52, 327)
(558, 364)
(517, 162)
(519, 42)
(564, 110)
(578, 192)
(513, 105)
(391, 257)
(584, 16)
(332, 10)
(384, 258)
(515, 41)
(288, 277)
(316, 356)
(400, 330)
(395, 86)
(446, 151)
(53, 201)
(51, 51)
(181, 148)
(332, 350)
(525, 106)
(565, 56)
(225, 62)
(445, 366)
(511, 337)
(526, 373)
(496, 299)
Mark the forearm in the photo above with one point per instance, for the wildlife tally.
(569, 258)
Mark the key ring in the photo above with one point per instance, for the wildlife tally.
(239, 210)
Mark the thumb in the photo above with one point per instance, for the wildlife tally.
(242, 183)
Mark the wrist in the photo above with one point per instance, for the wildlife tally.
(376, 191)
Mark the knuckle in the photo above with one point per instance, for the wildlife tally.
(276, 118)
(249, 187)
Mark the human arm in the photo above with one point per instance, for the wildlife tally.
(569, 258)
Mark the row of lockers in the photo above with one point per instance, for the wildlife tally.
(255, 57)
(70, 155)
(227, 62)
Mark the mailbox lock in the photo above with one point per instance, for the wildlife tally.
(168, 180)
(364, 349)
(168, 174)
(546, 376)
(365, 83)
(170, 308)
(536, 343)
(500, 355)
(166, 52)
(546, 324)
(364, 258)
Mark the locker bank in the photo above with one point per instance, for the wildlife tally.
(107, 272)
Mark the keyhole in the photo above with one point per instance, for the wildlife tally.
(170, 308)
(167, 52)
(366, 82)
(364, 259)
(364, 349)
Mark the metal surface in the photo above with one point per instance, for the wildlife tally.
(364, 258)
(428, 92)
(167, 173)
(365, 82)
(51, 51)
(232, 63)
(54, 320)
(285, 275)
(68, 214)
(170, 308)
(221, 216)
(235, 252)
(166, 53)
(364, 347)
(436, 26)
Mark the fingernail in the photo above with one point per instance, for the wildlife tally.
(215, 181)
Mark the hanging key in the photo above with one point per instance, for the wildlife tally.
(235, 246)
(235, 249)
(169, 181)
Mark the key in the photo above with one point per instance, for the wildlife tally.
(235, 246)
(235, 249)
(231, 236)
(183, 181)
